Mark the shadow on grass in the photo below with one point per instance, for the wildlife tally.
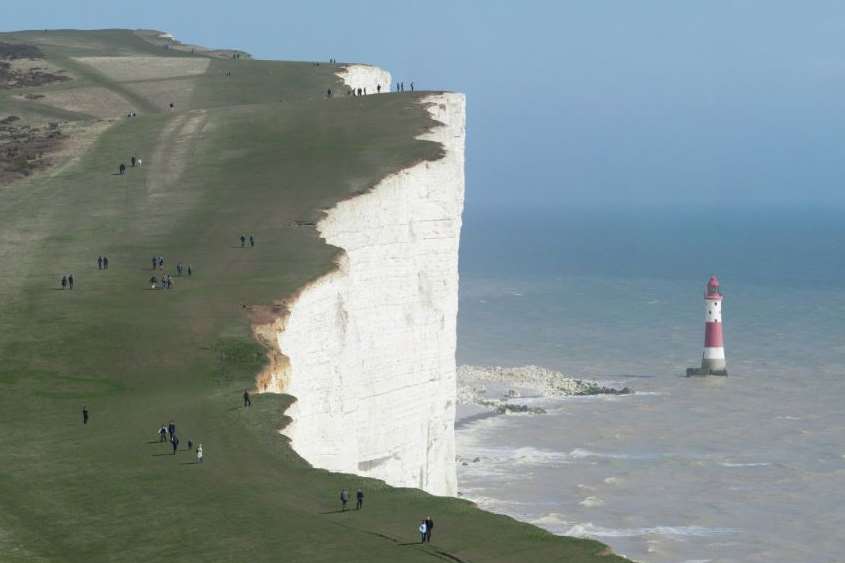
(337, 511)
(159, 455)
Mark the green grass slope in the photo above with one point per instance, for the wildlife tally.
(263, 152)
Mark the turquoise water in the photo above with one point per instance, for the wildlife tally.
(745, 468)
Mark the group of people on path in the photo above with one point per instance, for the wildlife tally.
(244, 239)
(167, 432)
(400, 87)
(102, 262)
(425, 529)
(359, 499)
(166, 281)
(134, 161)
(67, 281)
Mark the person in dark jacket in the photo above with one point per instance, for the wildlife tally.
(359, 498)
(84, 415)
(429, 526)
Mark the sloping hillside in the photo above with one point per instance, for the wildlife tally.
(248, 147)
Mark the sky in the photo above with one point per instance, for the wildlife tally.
(572, 103)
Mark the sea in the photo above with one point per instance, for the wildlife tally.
(744, 468)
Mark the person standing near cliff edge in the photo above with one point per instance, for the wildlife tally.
(359, 499)
(247, 400)
(429, 526)
(344, 498)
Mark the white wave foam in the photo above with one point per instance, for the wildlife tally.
(519, 456)
(580, 453)
(591, 530)
(757, 464)
(591, 502)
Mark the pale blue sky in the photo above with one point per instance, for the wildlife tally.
(588, 102)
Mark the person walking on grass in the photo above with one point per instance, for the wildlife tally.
(189, 270)
(429, 526)
(344, 498)
(84, 414)
(243, 241)
(423, 531)
(175, 443)
(105, 262)
(99, 262)
(70, 281)
(122, 169)
(252, 240)
(162, 434)
(199, 453)
(64, 282)
(247, 400)
(153, 282)
(359, 499)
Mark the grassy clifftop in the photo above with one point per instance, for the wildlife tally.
(249, 147)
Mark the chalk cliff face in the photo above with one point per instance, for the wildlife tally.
(366, 77)
(369, 349)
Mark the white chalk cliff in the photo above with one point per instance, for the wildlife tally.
(369, 349)
(366, 77)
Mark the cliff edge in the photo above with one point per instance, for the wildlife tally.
(370, 347)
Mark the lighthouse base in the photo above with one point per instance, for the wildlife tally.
(705, 371)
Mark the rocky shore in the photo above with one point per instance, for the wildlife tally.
(496, 388)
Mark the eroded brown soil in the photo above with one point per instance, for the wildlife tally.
(25, 149)
(23, 66)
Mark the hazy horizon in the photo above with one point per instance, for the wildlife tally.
(582, 104)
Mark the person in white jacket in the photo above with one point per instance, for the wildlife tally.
(423, 529)
(199, 453)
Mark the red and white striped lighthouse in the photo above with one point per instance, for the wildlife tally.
(713, 359)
